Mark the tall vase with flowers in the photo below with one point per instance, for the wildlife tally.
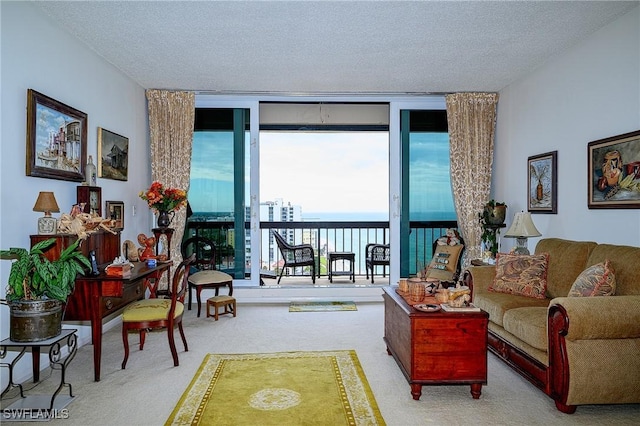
(165, 201)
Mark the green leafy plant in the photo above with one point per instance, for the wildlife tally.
(490, 231)
(494, 203)
(34, 277)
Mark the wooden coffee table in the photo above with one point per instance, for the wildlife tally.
(436, 348)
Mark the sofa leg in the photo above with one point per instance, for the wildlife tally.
(567, 409)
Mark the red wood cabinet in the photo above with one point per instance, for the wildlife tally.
(105, 244)
(439, 348)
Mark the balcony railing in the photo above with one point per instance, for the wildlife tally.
(325, 237)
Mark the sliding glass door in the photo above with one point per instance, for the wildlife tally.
(425, 201)
(221, 177)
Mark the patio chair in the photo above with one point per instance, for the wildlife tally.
(377, 254)
(296, 255)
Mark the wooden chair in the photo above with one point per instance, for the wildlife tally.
(203, 271)
(377, 254)
(158, 313)
(296, 255)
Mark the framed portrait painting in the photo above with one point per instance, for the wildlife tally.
(56, 139)
(115, 211)
(543, 183)
(113, 155)
(613, 166)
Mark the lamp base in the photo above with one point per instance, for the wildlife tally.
(47, 225)
(521, 247)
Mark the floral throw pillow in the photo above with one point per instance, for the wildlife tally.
(596, 280)
(521, 275)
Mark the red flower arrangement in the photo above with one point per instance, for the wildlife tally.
(164, 199)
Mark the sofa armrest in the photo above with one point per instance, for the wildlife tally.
(606, 317)
(479, 278)
(583, 332)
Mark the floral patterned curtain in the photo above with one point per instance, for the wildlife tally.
(471, 118)
(171, 118)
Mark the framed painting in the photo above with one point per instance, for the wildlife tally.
(113, 155)
(543, 183)
(613, 166)
(56, 139)
(115, 211)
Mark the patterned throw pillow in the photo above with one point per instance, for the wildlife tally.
(596, 280)
(444, 263)
(521, 275)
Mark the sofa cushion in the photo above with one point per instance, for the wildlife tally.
(596, 280)
(521, 275)
(444, 263)
(497, 304)
(528, 324)
(624, 260)
(567, 259)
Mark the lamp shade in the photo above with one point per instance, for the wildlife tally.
(46, 202)
(522, 226)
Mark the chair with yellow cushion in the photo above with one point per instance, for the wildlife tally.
(203, 271)
(161, 313)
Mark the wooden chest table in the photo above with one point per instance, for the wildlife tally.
(438, 348)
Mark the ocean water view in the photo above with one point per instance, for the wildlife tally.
(354, 239)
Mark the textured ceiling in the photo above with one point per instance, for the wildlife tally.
(331, 47)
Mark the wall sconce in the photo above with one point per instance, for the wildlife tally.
(46, 202)
(521, 229)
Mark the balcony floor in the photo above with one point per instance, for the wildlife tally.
(323, 281)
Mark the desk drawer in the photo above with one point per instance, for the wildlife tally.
(130, 292)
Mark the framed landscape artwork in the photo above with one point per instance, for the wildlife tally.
(113, 155)
(613, 166)
(543, 183)
(56, 139)
(115, 211)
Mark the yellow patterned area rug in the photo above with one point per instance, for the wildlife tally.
(322, 306)
(282, 388)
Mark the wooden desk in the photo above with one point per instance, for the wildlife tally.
(96, 297)
(437, 348)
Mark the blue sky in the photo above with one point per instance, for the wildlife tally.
(323, 171)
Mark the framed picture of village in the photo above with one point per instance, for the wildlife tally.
(56, 139)
(113, 152)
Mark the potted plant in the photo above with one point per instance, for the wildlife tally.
(494, 212)
(39, 287)
(491, 220)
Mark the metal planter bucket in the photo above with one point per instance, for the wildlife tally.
(495, 215)
(35, 320)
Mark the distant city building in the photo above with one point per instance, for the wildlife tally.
(278, 211)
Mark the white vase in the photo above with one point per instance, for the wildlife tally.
(90, 172)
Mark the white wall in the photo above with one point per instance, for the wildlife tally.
(39, 54)
(588, 93)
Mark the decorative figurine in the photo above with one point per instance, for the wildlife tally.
(146, 251)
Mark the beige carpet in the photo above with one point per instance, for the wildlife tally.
(310, 388)
(149, 389)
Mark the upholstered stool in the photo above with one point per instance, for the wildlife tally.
(228, 302)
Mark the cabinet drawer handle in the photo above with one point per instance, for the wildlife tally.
(108, 304)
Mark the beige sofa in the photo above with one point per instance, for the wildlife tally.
(578, 350)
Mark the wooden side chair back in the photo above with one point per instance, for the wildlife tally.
(159, 313)
(203, 271)
(296, 255)
(377, 254)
